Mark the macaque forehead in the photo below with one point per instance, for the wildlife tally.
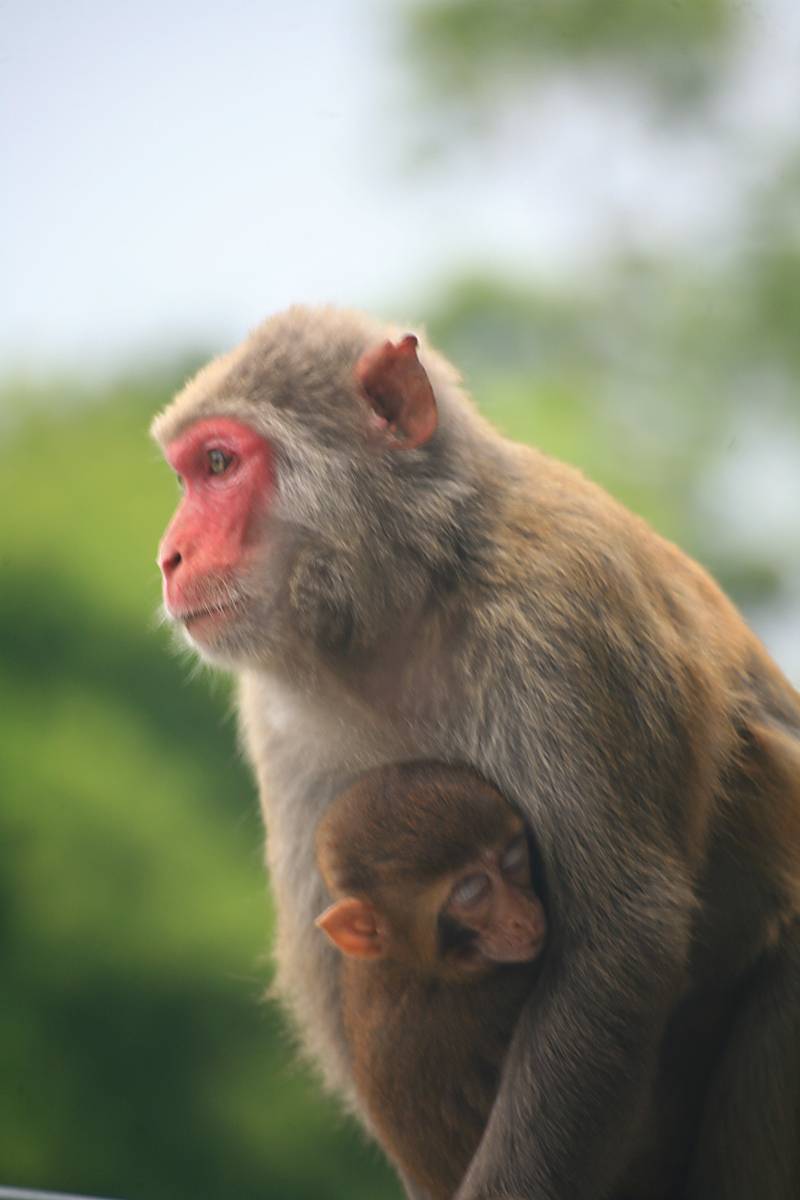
(301, 360)
(508, 827)
(439, 854)
(414, 823)
(514, 825)
(204, 396)
(183, 452)
(469, 816)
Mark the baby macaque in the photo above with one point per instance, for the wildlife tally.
(441, 930)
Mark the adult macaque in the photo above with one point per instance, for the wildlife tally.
(441, 930)
(391, 579)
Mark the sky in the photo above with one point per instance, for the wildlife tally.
(174, 171)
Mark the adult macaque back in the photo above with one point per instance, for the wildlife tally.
(391, 579)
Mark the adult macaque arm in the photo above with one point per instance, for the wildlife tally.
(585, 1048)
(411, 1190)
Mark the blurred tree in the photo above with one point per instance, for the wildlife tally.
(669, 371)
(475, 59)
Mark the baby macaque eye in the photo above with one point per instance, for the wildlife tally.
(218, 461)
(470, 890)
(515, 860)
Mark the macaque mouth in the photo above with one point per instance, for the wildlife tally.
(221, 609)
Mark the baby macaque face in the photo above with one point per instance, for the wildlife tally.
(491, 913)
(456, 898)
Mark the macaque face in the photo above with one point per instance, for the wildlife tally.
(216, 543)
(491, 913)
(271, 555)
(465, 924)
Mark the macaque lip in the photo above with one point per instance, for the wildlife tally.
(534, 950)
(523, 955)
(212, 614)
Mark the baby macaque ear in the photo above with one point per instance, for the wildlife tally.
(352, 926)
(399, 393)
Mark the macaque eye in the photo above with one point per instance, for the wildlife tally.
(180, 481)
(218, 461)
(515, 860)
(470, 890)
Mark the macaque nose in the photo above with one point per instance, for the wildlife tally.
(169, 562)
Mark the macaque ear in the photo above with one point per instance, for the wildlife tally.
(399, 393)
(352, 926)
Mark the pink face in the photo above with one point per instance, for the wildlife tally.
(227, 474)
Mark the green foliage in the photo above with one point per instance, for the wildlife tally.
(650, 380)
(469, 54)
(139, 1057)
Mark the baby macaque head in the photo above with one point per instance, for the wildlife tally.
(431, 868)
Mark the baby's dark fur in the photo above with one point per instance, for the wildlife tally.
(427, 1045)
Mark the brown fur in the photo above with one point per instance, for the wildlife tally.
(427, 1043)
(427, 1056)
(473, 600)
